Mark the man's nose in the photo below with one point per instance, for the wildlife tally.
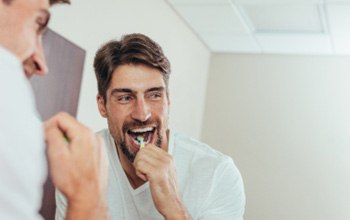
(141, 111)
(39, 60)
(36, 63)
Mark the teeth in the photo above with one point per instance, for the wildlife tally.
(140, 130)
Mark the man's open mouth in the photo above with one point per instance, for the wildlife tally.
(146, 133)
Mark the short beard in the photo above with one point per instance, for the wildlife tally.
(131, 156)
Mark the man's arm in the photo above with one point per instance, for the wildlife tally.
(22, 152)
(78, 165)
(226, 197)
(157, 166)
(22, 167)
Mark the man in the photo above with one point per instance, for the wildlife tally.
(155, 174)
(78, 166)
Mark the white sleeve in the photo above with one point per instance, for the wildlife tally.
(61, 206)
(226, 198)
(22, 152)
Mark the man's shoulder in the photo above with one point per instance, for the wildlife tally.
(103, 133)
(202, 163)
(198, 151)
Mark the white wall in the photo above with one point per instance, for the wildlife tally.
(90, 23)
(285, 120)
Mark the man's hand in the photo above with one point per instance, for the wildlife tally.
(157, 166)
(78, 166)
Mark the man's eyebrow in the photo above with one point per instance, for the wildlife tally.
(160, 89)
(121, 90)
(126, 90)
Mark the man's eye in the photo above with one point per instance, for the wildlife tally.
(155, 96)
(124, 99)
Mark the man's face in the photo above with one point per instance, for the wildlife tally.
(23, 23)
(136, 105)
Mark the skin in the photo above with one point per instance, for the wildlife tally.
(79, 168)
(24, 22)
(138, 93)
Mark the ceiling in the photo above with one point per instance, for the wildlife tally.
(269, 26)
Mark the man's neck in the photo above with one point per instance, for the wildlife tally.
(129, 170)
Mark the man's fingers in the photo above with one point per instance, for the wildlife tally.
(55, 141)
(153, 155)
(141, 175)
(57, 153)
(145, 167)
(57, 150)
(67, 124)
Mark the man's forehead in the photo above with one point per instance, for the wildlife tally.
(137, 84)
(128, 74)
(126, 68)
(136, 88)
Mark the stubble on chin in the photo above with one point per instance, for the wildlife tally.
(131, 155)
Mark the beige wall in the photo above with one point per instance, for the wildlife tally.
(285, 120)
(91, 23)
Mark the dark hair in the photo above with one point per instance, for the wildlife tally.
(131, 49)
(52, 2)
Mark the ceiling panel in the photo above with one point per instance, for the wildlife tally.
(191, 2)
(269, 26)
(285, 18)
(226, 43)
(337, 1)
(295, 43)
(339, 20)
(211, 19)
(276, 2)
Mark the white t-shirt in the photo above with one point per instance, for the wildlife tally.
(210, 184)
(22, 152)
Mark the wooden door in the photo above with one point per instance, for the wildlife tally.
(58, 91)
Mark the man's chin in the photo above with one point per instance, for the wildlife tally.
(130, 156)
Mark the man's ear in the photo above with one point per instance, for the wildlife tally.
(101, 105)
(168, 97)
